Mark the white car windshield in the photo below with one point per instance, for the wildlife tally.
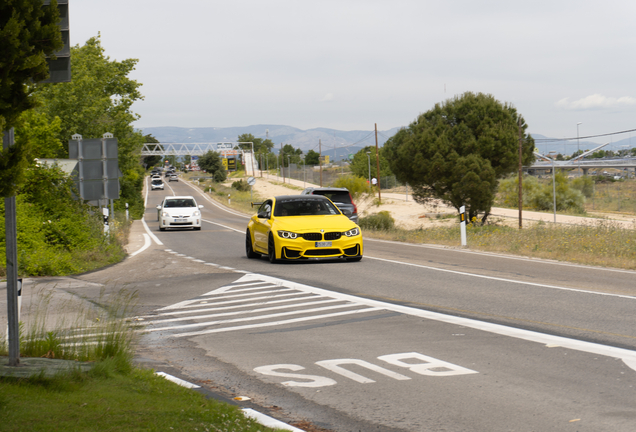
(175, 203)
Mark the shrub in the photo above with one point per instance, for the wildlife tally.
(241, 185)
(382, 221)
(356, 185)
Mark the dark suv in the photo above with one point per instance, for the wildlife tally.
(340, 197)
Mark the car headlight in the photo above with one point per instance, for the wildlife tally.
(287, 234)
(165, 214)
(352, 232)
(196, 213)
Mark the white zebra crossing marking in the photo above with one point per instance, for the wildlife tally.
(258, 301)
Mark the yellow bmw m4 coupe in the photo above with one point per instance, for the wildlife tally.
(293, 227)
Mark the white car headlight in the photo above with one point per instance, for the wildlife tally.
(352, 232)
(287, 234)
(196, 213)
(165, 214)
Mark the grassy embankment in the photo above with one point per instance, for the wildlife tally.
(598, 243)
(113, 394)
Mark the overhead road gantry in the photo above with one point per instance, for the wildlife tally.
(246, 149)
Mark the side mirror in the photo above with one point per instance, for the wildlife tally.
(200, 206)
(159, 207)
(346, 212)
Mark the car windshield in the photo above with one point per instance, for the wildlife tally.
(157, 182)
(174, 203)
(295, 207)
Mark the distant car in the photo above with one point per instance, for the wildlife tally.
(179, 212)
(173, 177)
(292, 227)
(156, 183)
(340, 197)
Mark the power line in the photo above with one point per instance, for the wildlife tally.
(584, 137)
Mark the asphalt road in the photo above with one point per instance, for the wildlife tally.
(412, 338)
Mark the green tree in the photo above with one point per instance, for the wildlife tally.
(293, 153)
(457, 151)
(98, 100)
(312, 158)
(212, 164)
(28, 33)
(360, 163)
(151, 161)
(260, 145)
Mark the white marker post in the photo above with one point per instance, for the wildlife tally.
(462, 220)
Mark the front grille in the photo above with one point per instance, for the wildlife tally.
(322, 252)
(312, 236)
(333, 235)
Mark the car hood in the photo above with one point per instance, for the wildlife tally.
(302, 224)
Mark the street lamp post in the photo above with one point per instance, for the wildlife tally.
(289, 168)
(369, 160)
(578, 144)
(553, 157)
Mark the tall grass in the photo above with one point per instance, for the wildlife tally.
(78, 330)
(603, 244)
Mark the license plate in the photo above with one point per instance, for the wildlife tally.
(180, 220)
(323, 244)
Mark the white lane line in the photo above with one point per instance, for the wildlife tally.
(277, 323)
(224, 226)
(146, 245)
(178, 381)
(152, 236)
(260, 317)
(249, 311)
(628, 356)
(268, 421)
(214, 203)
(555, 287)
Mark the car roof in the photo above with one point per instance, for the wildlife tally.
(299, 197)
(311, 189)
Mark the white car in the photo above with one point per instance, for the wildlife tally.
(179, 212)
(156, 183)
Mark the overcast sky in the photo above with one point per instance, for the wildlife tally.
(349, 64)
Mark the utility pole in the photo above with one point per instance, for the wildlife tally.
(377, 160)
(282, 162)
(11, 236)
(520, 175)
(320, 159)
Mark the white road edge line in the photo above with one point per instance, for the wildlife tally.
(498, 255)
(268, 421)
(152, 236)
(261, 418)
(146, 245)
(556, 287)
(178, 381)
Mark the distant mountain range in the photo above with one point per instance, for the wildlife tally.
(336, 143)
